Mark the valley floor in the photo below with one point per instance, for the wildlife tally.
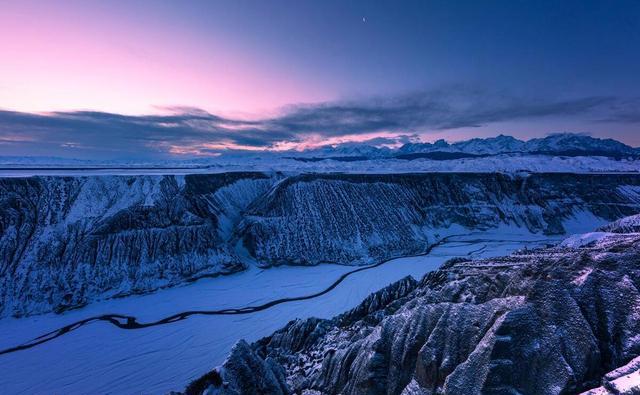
(101, 358)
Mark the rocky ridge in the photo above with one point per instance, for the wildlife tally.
(363, 218)
(66, 241)
(546, 321)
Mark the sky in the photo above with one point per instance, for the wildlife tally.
(126, 79)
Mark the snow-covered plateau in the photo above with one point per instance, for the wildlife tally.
(505, 163)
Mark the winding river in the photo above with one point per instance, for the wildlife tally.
(139, 352)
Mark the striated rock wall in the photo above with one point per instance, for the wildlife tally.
(361, 218)
(66, 240)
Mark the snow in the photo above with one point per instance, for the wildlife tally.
(101, 358)
(507, 163)
(624, 225)
(581, 220)
(582, 276)
(627, 384)
(624, 380)
(581, 240)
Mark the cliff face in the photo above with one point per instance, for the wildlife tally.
(65, 241)
(548, 321)
(342, 218)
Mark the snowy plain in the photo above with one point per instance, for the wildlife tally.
(505, 163)
(101, 358)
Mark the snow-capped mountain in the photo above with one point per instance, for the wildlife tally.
(346, 150)
(555, 144)
(567, 142)
(479, 146)
(492, 145)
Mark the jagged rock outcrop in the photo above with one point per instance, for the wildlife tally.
(66, 240)
(624, 380)
(361, 218)
(546, 321)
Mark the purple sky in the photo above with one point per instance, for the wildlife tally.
(162, 78)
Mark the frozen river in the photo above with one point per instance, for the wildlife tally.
(101, 358)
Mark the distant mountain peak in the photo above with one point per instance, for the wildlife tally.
(564, 143)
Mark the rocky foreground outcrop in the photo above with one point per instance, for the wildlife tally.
(548, 321)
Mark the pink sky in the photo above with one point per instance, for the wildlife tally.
(56, 58)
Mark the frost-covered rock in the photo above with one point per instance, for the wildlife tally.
(629, 224)
(548, 321)
(584, 239)
(362, 218)
(622, 381)
(67, 240)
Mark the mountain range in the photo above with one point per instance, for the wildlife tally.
(559, 144)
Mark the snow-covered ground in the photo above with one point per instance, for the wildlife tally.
(100, 358)
(507, 163)
(580, 240)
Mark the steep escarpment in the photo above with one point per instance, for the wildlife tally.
(549, 321)
(66, 240)
(360, 218)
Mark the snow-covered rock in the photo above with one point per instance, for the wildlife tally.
(65, 241)
(543, 321)
(624, 225)
(584, 239)
(622, 381)
(363, 218)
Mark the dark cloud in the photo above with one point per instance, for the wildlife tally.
(437, 110)
(192, 130)
(624, 111)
